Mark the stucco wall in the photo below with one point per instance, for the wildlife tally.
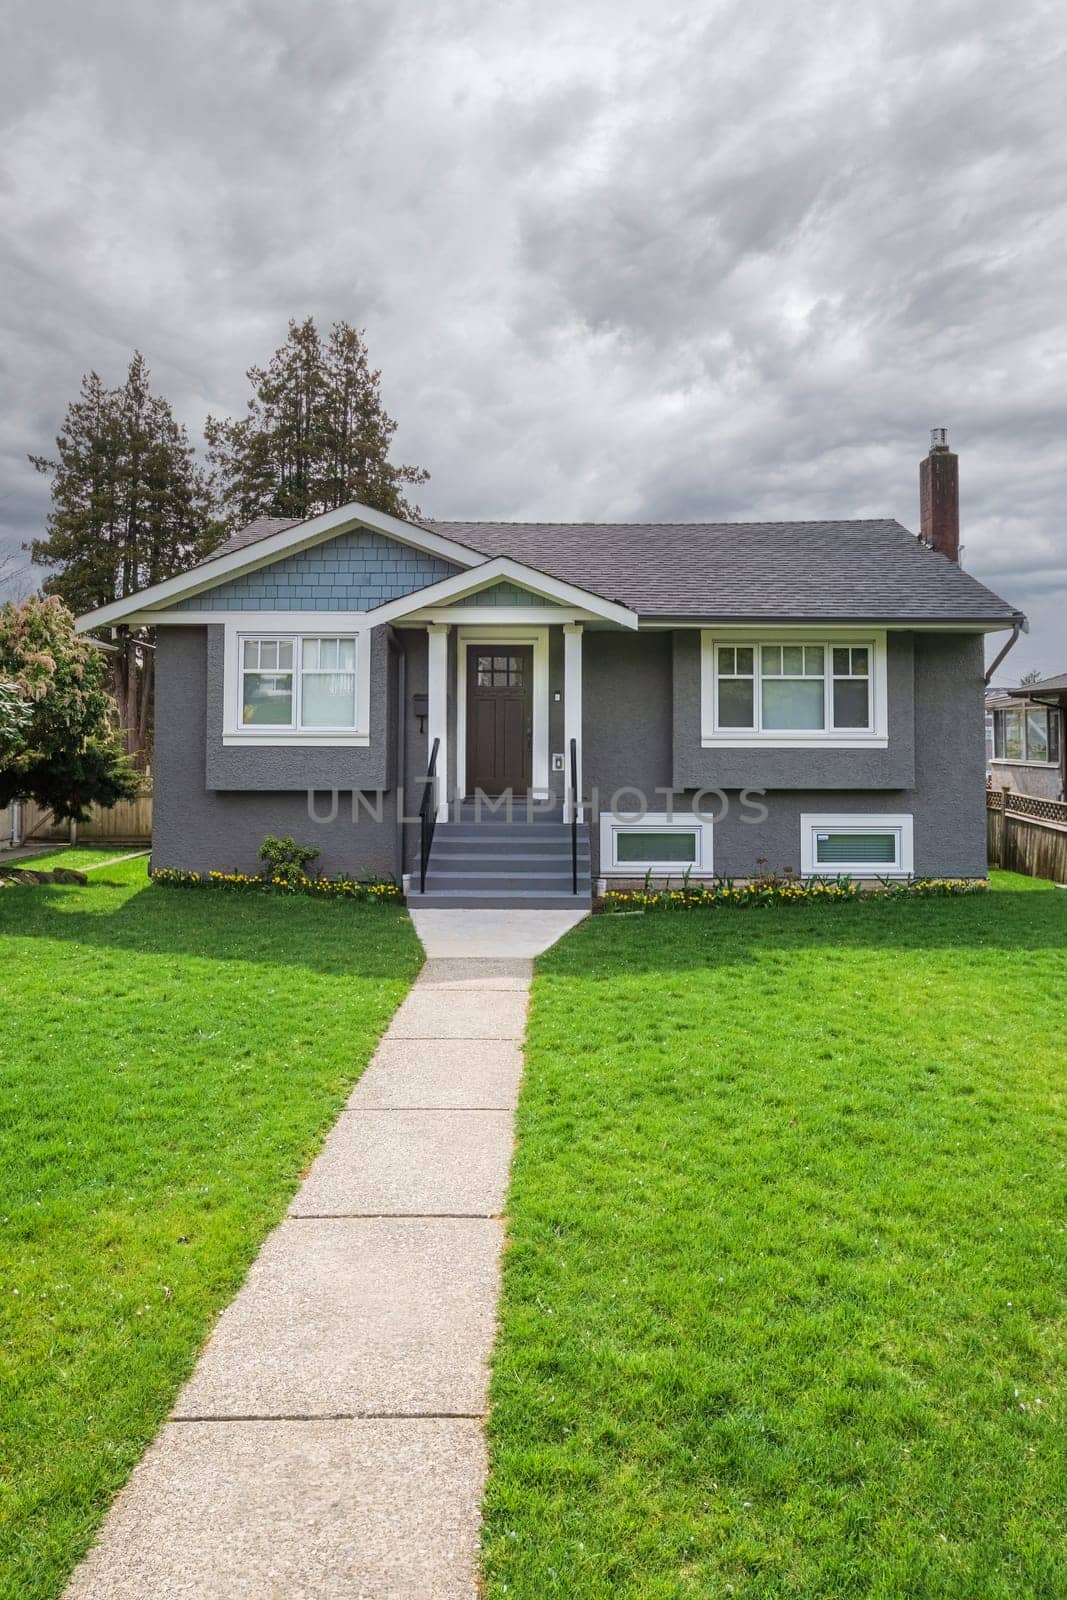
(1040, 782)
(629, 735)
(197, 828)
(632, 733)
(354, 572)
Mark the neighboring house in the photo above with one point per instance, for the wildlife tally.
(836, 667)
(1029, 752)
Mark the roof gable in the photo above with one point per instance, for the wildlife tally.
(470, 586)
(269, 541)
(353, 571)
(505, 595)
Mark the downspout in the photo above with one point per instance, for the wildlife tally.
(1020, 627)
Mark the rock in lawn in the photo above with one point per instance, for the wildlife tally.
(27, 875)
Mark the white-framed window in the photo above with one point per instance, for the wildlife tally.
(305, 685)
(793, 690)
(300, 681)
(632, 844)
(856, 845)
(1029, 734)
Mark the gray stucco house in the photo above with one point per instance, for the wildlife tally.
(805, 693)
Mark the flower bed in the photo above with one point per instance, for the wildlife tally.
(784, 891)
(374, 889)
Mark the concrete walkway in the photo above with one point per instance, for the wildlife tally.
(330, 1441)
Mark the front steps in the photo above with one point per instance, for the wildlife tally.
(497, 863)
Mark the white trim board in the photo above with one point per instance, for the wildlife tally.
(538, 637)
(281, 625)
(263, 552)
(901, 823)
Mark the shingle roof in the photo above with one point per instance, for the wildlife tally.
(872, 570)
(262, 528)
(1057, 685)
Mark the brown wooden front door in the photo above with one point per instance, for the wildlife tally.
(499, 717)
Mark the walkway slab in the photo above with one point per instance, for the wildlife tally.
(469, 1014)
(477, 934)
(418, 1163)
(329, 1442)
(442, 1072)
(356, 1317)
(459, 972)
(295, 1511)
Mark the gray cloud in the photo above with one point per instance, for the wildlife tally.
(694, 262)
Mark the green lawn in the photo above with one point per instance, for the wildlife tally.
(169, 1062)
(81, 857)
(783, 1306)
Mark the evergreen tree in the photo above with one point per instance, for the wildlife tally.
(129, 508)
(61, 747)
(315, 435)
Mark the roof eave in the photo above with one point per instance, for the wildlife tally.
(787, 620)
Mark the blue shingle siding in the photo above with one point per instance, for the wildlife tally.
(504, 594)
(354, 572)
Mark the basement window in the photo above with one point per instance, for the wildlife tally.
(635, 843)
(856, 846)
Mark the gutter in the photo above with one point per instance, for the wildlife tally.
(1020, 627)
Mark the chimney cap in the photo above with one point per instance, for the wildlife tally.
(938, 438)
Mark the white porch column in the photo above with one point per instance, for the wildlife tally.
(572, 708)
(437, 709)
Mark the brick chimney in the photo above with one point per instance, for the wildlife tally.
(939, 496)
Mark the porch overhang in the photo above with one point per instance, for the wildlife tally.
(466, 586)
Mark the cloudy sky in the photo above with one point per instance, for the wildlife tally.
(616, 260)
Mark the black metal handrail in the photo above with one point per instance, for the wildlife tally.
(574, 816)
(428, 815)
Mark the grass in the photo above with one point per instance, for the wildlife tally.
(79, 857)
(169, 1064)
(783, 1302)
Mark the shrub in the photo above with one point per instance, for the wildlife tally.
(285, 861)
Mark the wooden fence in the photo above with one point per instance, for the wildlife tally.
(126, 822)
(1027, 835)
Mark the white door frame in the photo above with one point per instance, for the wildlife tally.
(538, 637)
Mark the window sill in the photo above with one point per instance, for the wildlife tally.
(819, 741)
(289, 738)
(1041, 766)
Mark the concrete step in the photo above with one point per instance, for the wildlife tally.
(522, 882)
(546, 860)
(519, 811)
(506, 830)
